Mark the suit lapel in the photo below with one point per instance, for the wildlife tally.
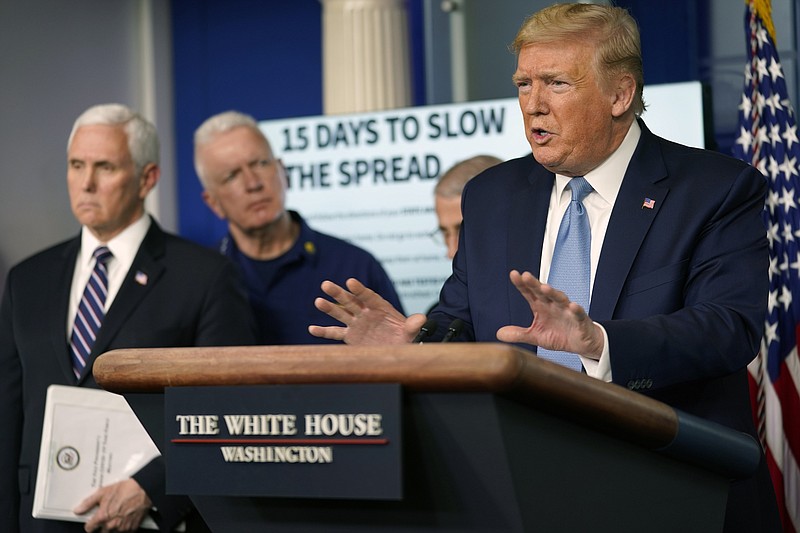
(58, 287)
(526, 222)
(629, 223)
(139, 281)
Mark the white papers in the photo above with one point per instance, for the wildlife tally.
(90, 438)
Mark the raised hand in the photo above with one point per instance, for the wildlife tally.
(368, 319)
(558, 323)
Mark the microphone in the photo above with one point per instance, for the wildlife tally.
(426, 330)
(453, 330)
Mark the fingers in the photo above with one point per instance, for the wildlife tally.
(120, 507)
(557, 322)
(412, 325)
(336, 333)
(366, 297)
(513, 334)
(89, 502)
(333, 310)
(535, 292)
(93, 500)
(367, 317)
(344, 298)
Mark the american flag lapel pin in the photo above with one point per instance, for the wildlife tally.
(648, 203)
(141, 278)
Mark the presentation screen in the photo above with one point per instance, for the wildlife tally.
(368, 177)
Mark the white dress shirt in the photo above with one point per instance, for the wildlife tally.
(606, 181)
(124, 248)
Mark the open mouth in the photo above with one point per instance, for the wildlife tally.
(540, 134)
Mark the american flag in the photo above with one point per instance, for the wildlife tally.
(768, 140)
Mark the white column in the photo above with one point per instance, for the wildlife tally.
(366, 60)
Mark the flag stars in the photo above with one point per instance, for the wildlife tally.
(748, 75)
(796, 264)
(774, 103)
(760, 103)
(772, 234)
(746, 106)
(745, 139)
(772, 200)
(771, 333)
(774, 170)
(761, 165)
(761, 35)
(762, 135)
(785, 297)
(772, 301)
(775, 69)
(790, 136)
(773, 266)
(788, 234)
(787, 200)
(775, 135)
(784, 266)
(761, 67)
(788, 167)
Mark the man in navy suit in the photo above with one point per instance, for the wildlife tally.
(162, 291)
(678, 259)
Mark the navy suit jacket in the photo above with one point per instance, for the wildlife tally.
(681, 287)
(192, 297)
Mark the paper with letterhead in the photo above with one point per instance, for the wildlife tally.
(90, 438)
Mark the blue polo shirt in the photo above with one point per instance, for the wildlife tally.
(282, 290)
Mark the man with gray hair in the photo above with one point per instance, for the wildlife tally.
(121, 283)
(283, 261)
(447, 196)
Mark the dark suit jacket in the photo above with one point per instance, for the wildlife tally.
(192, 297)
(680, 287)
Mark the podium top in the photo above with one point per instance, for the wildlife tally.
(494, 368)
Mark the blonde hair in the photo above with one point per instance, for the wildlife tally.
(612, 30)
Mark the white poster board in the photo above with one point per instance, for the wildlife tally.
(369, 177)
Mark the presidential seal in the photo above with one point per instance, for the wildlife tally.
(68, 458)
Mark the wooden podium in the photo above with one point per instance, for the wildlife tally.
(495, 439)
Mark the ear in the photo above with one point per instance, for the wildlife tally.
(213, 204)
(624, 93)
(148, 179)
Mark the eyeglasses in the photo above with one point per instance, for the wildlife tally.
(437, 236)
(441, 235)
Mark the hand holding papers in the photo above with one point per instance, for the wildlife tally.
(90, 439)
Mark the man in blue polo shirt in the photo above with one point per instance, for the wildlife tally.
(282, 260)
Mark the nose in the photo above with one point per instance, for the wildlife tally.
(87, 179)
(252, 179)
(533, 102)
(451, 240)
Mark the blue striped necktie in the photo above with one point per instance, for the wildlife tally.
(570, 269)
(91, 311)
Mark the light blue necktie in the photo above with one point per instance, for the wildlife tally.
(90, 312)
(570, 269)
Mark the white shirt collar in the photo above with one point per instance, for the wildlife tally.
(124, 246)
